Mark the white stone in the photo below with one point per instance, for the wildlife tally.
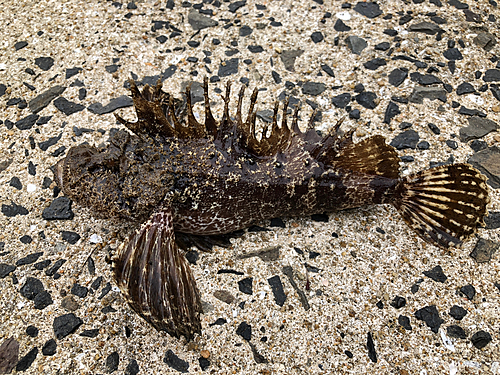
(31, 188)
(95, 238)
(344, 16)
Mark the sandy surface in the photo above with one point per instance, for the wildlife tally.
(373, 256)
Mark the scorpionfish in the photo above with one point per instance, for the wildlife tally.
(173, 176)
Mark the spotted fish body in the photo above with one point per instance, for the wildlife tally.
(175, 175)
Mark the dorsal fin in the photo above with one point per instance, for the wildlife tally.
(370, 156)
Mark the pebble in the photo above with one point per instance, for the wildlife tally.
(313, 88)
(457, 312)
(277, 289)
(65, 325)
(456, 332)
(112, 362)
(431, 93)
(468, 291)
(26, 361)
(478, 127)
(70, 237)
(465, 88)
(372, 353)
(436, 274)
(6, 270)
(404, 322)
(288, 58)
(175, 362)
(13, 210)
(27, 122)
(59, 209)
(49, 348)
(340, 26)
(132, 368)
(9, 354)
(397, 76)
(367, 99)
(487, 161)
(368, 9)
(342, 100)
(407, 139)
(122, 101)
(246, 285)
(430, 316)
(391, 111)
(44, 63)
(244, 330)
(67, 107)
(69, 303)
(398, 302)
(480, 339)
(356, 44)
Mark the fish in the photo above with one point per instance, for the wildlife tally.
(181, 182)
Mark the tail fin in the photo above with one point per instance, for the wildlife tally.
(444, 205)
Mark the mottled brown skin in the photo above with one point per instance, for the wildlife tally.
(217, 177)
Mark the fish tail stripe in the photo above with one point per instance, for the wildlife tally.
(444, 205)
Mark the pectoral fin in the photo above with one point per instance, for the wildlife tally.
(156, 279)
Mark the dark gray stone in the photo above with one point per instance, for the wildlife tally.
(404, 322)
(44, 63)
(42, 300)
(342, 100)
(65, 325)
(487, 161)
(484, 250)
(71, 237)
(468, 291)
(245, 30)
(49, 348)
(465, 88)
(431, 93)
(44, 99)
(367, 99)
(79, 290)
(67, 107)
(492, 221)
(175, 362)
(453, 54)
(288, 58)
(112, 362)
(122, 101)
(31, 288)
(133, 367)
(5, 270)
(478, 128)
(234, 6)
(341, 26)
(244, 330)
(367, 9)
(457, 312)
(391, 111)
(480, 339)
(198, 21)
(246, 285)
(15, 182)
(471, 112)
(26, 361)
(228, 68)
(436, 274)
(59, 209)
(277, 288)
(370, 345)
(356, 44)
(329, 70)
(424, 79)
(13, 210)
(430, 316)
(375, 63)
(26, 122)
(407, 139)
(428, 28)
(29, 259)
(313, 88)
(456, 332)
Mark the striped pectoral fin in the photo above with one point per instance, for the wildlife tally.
(444, 205)
(156, 279)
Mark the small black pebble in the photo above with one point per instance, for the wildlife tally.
(457, 312)
(404, 322)
(456, 332)
(480, 339)
(32, 331)
(112, 362)
(398, 302)
(49, 348)
(469, 291)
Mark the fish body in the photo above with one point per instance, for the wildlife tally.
(175, 175)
